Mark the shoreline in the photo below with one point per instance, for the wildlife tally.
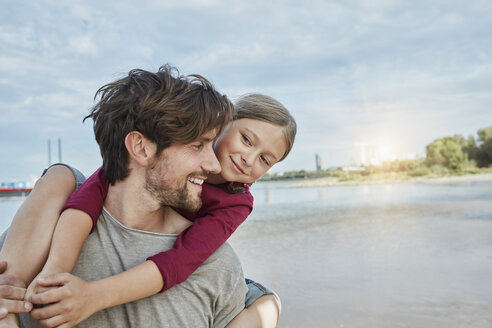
(333, 181)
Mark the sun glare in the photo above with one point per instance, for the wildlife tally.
(374, 153)
(385, 152)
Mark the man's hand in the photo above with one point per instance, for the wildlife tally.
(12, 292)
(69, 304)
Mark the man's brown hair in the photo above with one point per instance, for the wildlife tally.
(164, 106)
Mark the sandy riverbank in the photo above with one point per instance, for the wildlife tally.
(333, 181)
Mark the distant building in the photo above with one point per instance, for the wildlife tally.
(317, 160)
(366, 154)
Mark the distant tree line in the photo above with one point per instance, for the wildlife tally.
(445, 155)
(456, 152)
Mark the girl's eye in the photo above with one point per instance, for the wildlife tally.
(265, 160)
(246, 139)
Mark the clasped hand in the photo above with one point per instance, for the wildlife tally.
(62, 300)
(65, 300)
(12, 292)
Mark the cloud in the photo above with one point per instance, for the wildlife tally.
(82, 45)
(348, 70)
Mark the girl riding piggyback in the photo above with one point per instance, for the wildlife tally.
(261, 134)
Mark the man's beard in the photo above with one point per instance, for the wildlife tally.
(170, 195)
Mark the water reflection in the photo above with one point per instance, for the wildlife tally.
(269, 194)
(403, 255)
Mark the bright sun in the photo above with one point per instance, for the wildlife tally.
(373, 153)
(385, 152)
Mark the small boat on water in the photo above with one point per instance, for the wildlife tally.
(13, 192)
(14, 189)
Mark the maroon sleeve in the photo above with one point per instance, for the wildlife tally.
(219, 217)
(89, 197)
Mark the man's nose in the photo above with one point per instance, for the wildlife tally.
(211, 164)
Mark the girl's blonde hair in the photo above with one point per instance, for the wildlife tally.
(264, 108)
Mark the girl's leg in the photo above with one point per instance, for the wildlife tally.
(264, 312)
(28, 240)
(262, 308)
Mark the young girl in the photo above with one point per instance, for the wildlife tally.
(261, 134)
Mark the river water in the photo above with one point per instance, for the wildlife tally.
(382, 255)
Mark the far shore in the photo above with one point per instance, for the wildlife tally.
(385, 179)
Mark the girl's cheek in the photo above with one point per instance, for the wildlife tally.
(218, 150)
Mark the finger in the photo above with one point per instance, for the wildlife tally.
(56, 279)
(41, 289)
(51, 296)
(67, 324)
(3, 313)
(54, 322)
(12, 293)
(50, 311)
(7, 279)
(28, 294)
(15, 306)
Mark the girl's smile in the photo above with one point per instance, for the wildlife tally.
(237, 167)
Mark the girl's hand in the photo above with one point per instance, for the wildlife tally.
(35, 288)
(67, 305)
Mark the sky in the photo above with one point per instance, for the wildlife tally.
(397, 74)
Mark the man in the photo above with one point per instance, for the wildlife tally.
(155, 132)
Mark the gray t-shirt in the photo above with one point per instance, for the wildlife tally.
(211, 297)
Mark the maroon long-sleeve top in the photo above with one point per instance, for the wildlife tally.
(221, 213)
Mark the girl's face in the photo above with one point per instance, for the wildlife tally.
(248, 148)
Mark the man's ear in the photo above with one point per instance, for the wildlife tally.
(140, 149)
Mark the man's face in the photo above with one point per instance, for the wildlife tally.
(176, 176)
